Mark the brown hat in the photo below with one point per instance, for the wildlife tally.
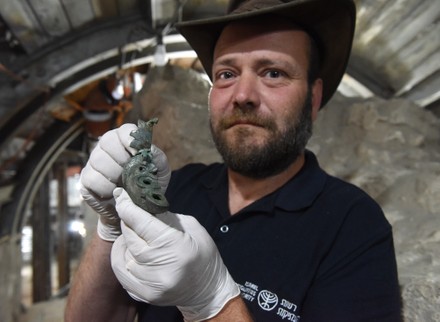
(330, 22)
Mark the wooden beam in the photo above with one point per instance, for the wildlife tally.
(63, 234)
(41, 245)
(5, 193)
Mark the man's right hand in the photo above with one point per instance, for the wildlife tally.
(102, 174)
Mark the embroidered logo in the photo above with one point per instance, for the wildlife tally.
(267, 300)
(270, 302)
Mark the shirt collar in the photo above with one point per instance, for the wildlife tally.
(298, 193)
(302, 190)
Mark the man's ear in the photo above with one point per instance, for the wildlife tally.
(316, 97)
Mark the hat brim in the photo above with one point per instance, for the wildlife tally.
(331, 22)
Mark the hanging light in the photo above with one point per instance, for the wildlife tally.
(118, 91)
(138, 82)
(160, 54)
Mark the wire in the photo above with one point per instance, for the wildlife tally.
(19, 78)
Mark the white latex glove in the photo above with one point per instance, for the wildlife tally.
(102, 174)
(170, 260)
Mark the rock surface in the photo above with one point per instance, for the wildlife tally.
(388, 148)
(179, 98)
(391, 149)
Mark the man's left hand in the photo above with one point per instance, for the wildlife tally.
(170, 260)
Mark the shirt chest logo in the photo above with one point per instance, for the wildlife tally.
(267, 300)
(270, 302)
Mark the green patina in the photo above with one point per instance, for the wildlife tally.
(139, 177)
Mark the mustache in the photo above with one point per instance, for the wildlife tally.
(240, 117)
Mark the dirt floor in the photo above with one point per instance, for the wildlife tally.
(51, 311)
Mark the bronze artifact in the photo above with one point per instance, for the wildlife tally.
(139, 176)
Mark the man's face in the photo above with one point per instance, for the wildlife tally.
(261, 107)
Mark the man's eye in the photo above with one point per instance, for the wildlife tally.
(225, 75)
(273, 74)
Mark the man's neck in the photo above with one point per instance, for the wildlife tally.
(245, 190)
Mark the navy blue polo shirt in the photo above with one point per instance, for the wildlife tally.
(317, 249)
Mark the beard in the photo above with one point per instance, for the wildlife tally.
(277, 153)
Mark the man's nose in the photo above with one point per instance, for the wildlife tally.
(246, 94)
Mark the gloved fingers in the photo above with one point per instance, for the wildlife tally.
(145, 225)
(137, 247)
(93, 199)
(104, 168)
(117, 143)
(172, 220)
(105, 164)
(163, 169)
(121, 261)
(180, 266)
(108, 229)
(164, 251)
(145, 286)
(159, 158)
(166, 264)
(95, 182)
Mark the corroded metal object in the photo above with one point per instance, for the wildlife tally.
(139, 177)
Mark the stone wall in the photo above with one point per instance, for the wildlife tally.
(388, 148)
(391, 149)
(179, 98)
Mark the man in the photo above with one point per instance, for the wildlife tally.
(281, 239)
